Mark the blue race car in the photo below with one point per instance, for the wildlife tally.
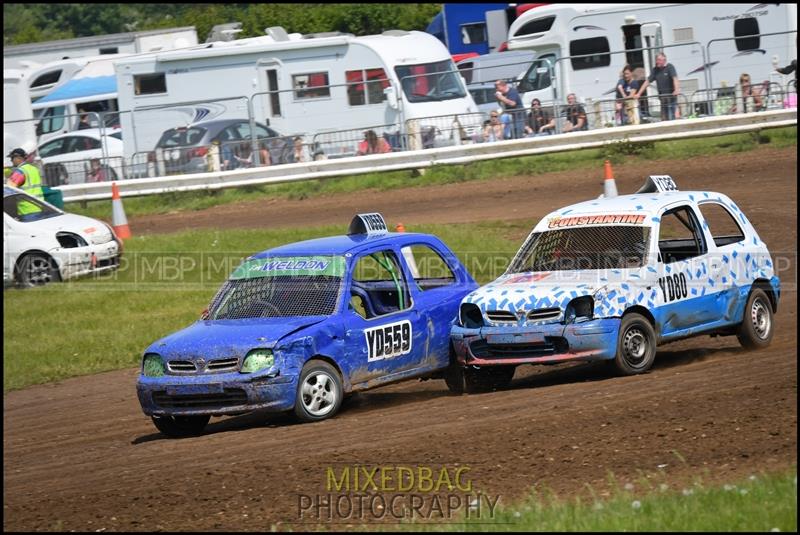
(611, 279)
(299, 327)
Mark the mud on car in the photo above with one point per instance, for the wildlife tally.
(301, 326)
(611, 279)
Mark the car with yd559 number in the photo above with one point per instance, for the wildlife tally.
(612, 278)
(301, 326)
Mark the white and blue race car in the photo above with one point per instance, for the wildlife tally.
(611, 279)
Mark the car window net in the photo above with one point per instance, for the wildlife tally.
(276, 297)
(600, 247)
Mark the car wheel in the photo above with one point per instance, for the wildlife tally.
(319, 392)
(181, 426)
(454, 378)
(756, 328)
(489, 378)
(472, 381)
(636, 345)
(37, 270)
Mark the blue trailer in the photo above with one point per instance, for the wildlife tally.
(469, 28)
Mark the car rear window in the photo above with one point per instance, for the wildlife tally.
(281, 287)
(181, 137)
(595, 247)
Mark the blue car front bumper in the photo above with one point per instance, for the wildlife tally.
(548, 343)
(216, 394)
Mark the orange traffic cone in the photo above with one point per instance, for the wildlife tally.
(399, 228)
(118, 219)
(609, 184)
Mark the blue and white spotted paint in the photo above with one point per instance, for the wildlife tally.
(717, 283)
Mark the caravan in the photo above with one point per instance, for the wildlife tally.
(710, 45)
(92, 91)
(296, 84)
(18, 129)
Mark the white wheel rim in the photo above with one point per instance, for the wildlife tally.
(38, 271)
(318, 393)
(762, 323)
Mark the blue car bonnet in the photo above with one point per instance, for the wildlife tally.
(228, 338)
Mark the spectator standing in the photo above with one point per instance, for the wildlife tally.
(575, 114)
(626, 105)
(493, 128)
(25, 175)
(540, 121)
(666, 78)
(372, 144)
(228, 157)
(509, 98)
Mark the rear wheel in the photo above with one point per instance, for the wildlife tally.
(756, 328)
(636, 345)
(37, 270)
(181, 426)
(319, 392)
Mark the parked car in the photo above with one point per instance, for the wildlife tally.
(42, 244)
(298, 327)
(611, 279)
(185, 149)
(67, 158)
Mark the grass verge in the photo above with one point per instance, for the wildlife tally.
(759, 503)
(104, 323)
(621, 152)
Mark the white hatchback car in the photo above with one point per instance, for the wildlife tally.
(67, 157)
(43, 244)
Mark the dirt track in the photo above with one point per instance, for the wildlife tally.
(80, 455)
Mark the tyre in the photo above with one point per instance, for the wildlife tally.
(461, 380)
(756, 328)
(181, 426)
(636, 345)
(319, 392)
(454, 379)
(37, 269)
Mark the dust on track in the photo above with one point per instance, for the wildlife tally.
(79, 454)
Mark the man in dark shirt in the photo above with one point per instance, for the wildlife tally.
(512, 104)
(666, 79)
(575, 114)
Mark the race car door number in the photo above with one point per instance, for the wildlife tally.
(388, 341)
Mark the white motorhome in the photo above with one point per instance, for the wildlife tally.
(18, 126)
(297, 83)
(710, 45)
(45, 78)
(92, 90)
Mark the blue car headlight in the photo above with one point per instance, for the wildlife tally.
(258, 359)
(153, 365)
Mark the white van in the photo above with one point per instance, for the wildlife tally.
(481, 72)
(294, 83)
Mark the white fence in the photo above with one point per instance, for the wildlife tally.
(419, 159)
